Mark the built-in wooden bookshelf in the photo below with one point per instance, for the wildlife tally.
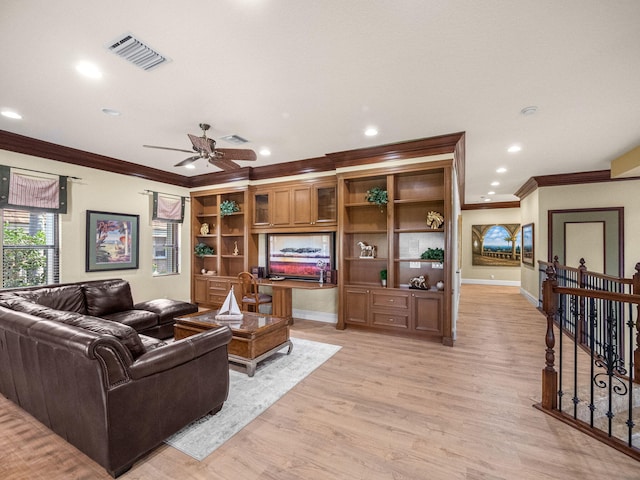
(400, 234)
(229, 235)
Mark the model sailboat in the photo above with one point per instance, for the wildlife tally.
(230, 311)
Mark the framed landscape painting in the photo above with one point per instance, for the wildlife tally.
(112, 241)
(496, 245)
(528, 254)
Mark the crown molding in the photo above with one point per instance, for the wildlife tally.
(442, 144)
(489, 205)
(595, 176)
(399, 151)
(39, 148)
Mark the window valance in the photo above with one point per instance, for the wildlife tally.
(168, 208)
(29, 191)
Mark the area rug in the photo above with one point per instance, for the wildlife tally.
(250, 396)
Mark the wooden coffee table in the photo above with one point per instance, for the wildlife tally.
(255, 338)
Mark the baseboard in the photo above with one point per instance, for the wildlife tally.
(317, 316)
(502, 283)
(532, 300)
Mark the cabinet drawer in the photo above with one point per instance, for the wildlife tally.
(219, 285)
(391, 320)
(216, 299)
(390, 299)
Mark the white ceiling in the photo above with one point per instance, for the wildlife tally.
(305, 78)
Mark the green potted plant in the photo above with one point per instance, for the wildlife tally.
(202, 249)
(433, 254)
(383, 277)
(377, 195)
(228, 207)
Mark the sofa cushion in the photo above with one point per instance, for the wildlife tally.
(126, 334)
(67, 297)
(167, 309)
(140, 320)
(106, 298)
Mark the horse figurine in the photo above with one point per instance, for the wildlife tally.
(434, 219)
(367, 251)
(420, 282)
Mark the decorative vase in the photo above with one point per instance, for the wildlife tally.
(384, 282)
(440, 285)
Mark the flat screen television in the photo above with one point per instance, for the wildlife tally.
(300, 255)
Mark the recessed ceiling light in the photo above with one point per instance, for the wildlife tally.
(88, 70)
(265, 152)
(11, 114)
(487, 199)
(491, 193)
(191, 166)
(371, 132)
(111, 111)
(529, 110)
(495, 184)
(514, 148)
(501, 170)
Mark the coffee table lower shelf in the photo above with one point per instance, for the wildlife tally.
(252, 363)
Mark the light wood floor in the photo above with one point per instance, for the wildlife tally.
(382, 408)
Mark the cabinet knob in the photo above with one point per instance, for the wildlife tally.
(391, 320)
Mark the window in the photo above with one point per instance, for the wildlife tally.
(30, 248)
(166, 248)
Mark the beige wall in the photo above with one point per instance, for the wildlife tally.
(529, 213)
(595, 195)
(110, 192)
(489, 275)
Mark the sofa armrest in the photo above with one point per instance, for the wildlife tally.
(179, 352)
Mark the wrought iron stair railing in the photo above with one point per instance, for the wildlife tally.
(592, 358)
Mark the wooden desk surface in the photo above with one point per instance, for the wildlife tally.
(301, 284)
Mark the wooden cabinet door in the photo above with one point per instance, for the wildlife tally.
(301, 205)
(427, 312)
(261, 216)
(356, 305)
(280, 207)
(200, 289)
(324, 204)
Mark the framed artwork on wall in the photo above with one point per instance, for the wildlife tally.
(528, 253)
(112, 241)
(496, 245)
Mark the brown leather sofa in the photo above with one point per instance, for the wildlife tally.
(111, 392)
(110, 299)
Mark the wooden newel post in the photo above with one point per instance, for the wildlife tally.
(636, 351)
(549, 374)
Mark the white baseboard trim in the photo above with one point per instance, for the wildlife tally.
(502, 283)
(317, 316)
(532, 300)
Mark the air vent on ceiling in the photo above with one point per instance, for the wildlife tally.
(136, 52)
(237, 139)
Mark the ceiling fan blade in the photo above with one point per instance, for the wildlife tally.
(202, 144)
(237, 154)
(224, 164)
(169, 148)
(187, 161)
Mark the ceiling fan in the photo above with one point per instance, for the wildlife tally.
(205, 147)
